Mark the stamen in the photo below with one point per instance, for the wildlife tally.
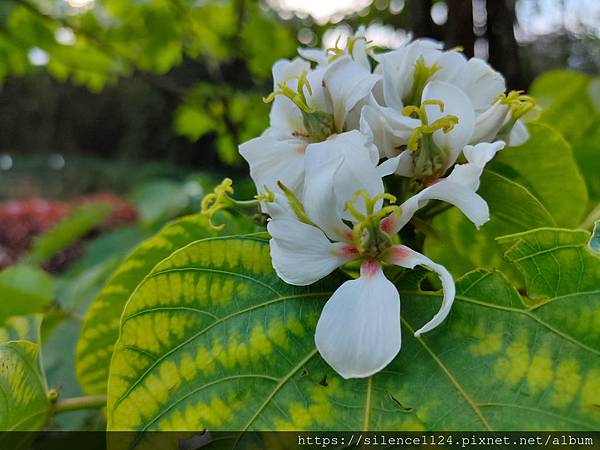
(368, 236)
(220, 199)
(217, 200)
(518, 103)
(298, 96)
(337, 51)
(446, 123)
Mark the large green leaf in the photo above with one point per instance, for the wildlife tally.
(24, 290)
(567, 102)
(101, 327)
(570, 105)
(24, 405)
(460, 247)
(212, 338)
(546, 166)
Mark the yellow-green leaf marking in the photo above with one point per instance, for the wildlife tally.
(101, 327)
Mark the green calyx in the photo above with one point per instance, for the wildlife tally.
(429, 160)
(421, 75)
(319, 125)
(368, 237)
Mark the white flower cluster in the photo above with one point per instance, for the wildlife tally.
(338, 126)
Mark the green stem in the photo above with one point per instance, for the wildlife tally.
(77, 403)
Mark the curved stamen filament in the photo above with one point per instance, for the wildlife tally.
(446, 123)
(298, 96)
(337, 51)
(518, 103)
(217, 200)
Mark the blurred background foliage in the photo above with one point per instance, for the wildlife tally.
(98, 87)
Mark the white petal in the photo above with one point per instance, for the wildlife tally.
(461, 196)
(480, 82)
(518, 135)
(271, 160)
(388, 167)
(489, 122)
(358, 333)
(320, 203)
(405, 257)
(449, 65)
(347, 82)
(398, 68)
(317, 55)
(285, 116)
(459, 188)
(302, 254)
(388, 128)
(335, 170)
(455, 103)
(406, 164)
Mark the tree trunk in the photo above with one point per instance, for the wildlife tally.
(419, 15)
(459, 27)
(503, 48)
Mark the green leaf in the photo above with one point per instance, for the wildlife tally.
(545, 165)
(570, 105)
(213, 339)
(566, 101)
(160, 200)
(587, 154)
(24, 290)
(460, 247)
(101, 327)
(192, 122)
(25, 405)
(76, 225)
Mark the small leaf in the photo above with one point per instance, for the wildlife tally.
(75, 226)
(25, 405)
(24, 290)
(160, 200)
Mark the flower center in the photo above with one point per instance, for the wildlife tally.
(319, 125)
(429, 160)
(367, 234)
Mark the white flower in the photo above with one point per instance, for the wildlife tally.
(469, 92)
(308, 107)
(358, 332)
